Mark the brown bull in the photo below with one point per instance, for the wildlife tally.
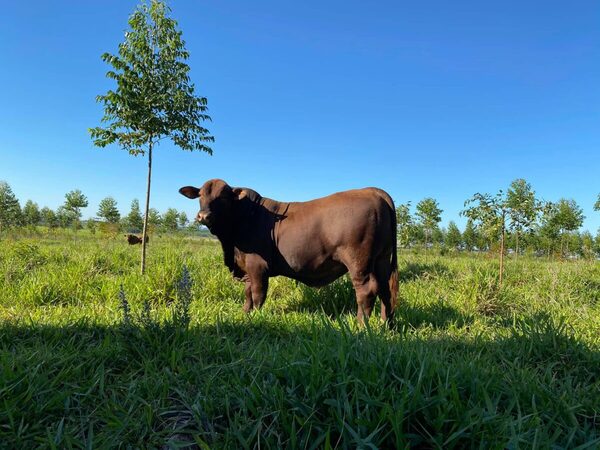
(132, 239)
(314, 242)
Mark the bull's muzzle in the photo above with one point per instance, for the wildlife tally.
(203, 218)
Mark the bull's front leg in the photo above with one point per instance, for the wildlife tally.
(248, 294)
(259, 283)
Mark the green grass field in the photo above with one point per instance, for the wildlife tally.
(468, 365)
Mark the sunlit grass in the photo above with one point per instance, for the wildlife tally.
(468, 364)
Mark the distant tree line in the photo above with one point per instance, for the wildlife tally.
(68, 215)
(513, 222)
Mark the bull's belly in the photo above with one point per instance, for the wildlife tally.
(321, 275)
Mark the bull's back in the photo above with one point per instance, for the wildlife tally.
(338, 214)
(316, 235)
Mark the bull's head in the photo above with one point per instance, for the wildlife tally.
(217, 202)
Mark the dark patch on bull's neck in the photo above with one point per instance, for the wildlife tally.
(236, 231)
(227, 244)
(252, 224)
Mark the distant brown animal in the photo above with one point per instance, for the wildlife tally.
(132, 239)
(314, 242)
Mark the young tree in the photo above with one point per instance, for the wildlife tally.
(548, 230)
(523, 208)
(193, 226)
(10, 210)
(491, 212)
(453, 237)
(74, 201)
(404, 224)
(31, 213)
(470, 236)
(575, 244)
(154, 217)
(154, 220)
(154, 98)
(567, 217)
(182, 219)
(597, 204)
(134, 218)
(48, 217)
(438, 235)
(170, 219)
(418, 234)
(65, 217)
(587, 245)
(429, 215)
(108, 211)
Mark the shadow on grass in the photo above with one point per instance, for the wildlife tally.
(333, 300)
(437, 315)
(338, 299)
(105, 386)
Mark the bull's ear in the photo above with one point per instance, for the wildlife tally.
(239, 193)
(190, 192)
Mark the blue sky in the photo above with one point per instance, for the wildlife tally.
(433, 98)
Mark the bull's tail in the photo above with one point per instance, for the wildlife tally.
(394, 282)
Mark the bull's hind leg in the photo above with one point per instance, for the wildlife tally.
(365, 286)
(383, 272)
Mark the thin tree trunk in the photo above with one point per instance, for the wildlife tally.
(502, 251)
(562, 245)
(517, 242)
(145, 232)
